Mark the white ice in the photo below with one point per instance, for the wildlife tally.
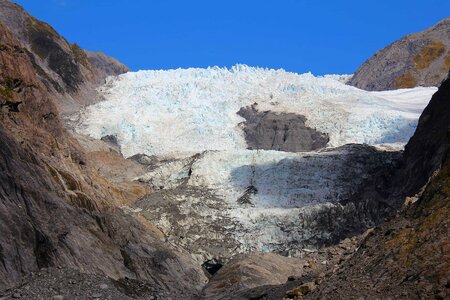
(185, 111)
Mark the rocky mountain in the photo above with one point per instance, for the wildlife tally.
(63, 67)
(56, 208)
(419, 59)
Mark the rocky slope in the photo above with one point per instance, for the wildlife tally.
(419, 59)
(56, 208)
(63, 67)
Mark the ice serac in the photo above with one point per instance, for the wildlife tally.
(419, 59)
(219, 193)
(186, 111)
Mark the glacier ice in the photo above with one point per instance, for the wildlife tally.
(197, 198)
(185, 111)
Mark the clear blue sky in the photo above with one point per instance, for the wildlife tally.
(298, 35)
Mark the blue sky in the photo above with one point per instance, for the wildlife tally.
(296, 35)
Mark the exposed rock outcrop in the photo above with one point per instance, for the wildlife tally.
(244, 272)
(270, 276)
(419, 59)
(427, 147)
(280, 131)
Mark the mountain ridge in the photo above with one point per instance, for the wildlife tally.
(418, 59)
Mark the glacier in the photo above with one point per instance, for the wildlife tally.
(212, 196)
(180, 112)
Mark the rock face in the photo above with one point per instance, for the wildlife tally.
(408, 256)
(280, 131)
(63, 67)
(419, 59)
(56, 209)
(427, 147)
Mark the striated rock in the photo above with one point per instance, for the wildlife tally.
(419, 59)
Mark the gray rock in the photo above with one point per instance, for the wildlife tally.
(279, 131)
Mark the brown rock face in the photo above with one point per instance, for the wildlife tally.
(419, 59)
(56, 208)
(104, 65)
